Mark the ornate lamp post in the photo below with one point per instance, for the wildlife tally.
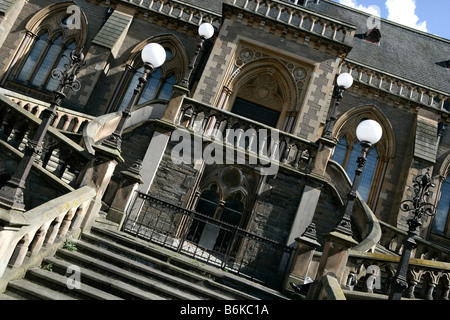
(206, 31)
(153, 55)
(369, 132)
(344, 82)
(419, 207)
(11, 195)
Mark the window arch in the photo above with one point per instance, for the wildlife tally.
(160, 83)
(266, 87)
(48, 41)
(45, 55)
(348, 149)
(224, 196)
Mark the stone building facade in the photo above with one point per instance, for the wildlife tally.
(271, 67)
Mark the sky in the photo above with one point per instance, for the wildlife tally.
(431, 16)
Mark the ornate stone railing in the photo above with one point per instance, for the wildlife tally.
(66, 120)
(299, 17)
(403, 88)
(179, 10)
(364, 219)
(393, 239)
(42, 226)
(61, 156)
(427, 279)
(255, 139)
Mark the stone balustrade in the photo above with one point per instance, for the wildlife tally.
(248, 136)
(42, 226)
(393, 240)
(301, 18)
(179, 10)
(429, 280)
(60, 155)
(397, 86)
(66, 120)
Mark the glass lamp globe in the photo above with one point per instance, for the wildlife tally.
(206, 30)
(369, 131)
(345, 80)
(154, 54)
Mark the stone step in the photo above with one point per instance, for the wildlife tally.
(235, 286)
(100, 281)
(166, 271)
(58, 283)
(112, 270)
(25, 289)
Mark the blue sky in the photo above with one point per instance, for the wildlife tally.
(432, 16)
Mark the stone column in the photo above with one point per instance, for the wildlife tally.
(10, 224)
(334, 260)
(98, 175)
(306, 246)
(158, 144)
(305, 211)
(131, 179)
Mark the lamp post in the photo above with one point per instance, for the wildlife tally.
(369, 132)
(344, 82)
(419, 207)
(153, 55)
(11, 194)
(206, 31)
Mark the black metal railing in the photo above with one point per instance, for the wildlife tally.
(209, 240)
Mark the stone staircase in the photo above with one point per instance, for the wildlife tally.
(114, 266)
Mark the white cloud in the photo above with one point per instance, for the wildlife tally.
(404, 12)
(371, 9)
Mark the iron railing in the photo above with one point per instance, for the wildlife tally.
(209, 240)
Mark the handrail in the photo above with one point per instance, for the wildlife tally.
(60, 156)
(42, 226)
(372, 235)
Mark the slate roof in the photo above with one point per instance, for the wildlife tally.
(403, 52)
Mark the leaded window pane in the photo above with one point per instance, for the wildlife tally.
(368, 171)
(443, 209)
(151, 87)
(46, 64)
(52, 84)
(32, 58)
(167, 89)
(341, 151)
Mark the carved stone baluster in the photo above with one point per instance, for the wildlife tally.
(298, 157)
(429, 294)
(286, 151)
(192, 120)
(38, 240)
(411, 287)
(66, 222)
(445, 292)
(21, 251)
(206, 118)
(53, 231)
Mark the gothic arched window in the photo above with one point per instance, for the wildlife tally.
(348, 149)
(45, 55)
(48, 40)
(160, 83)
(158, 87)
